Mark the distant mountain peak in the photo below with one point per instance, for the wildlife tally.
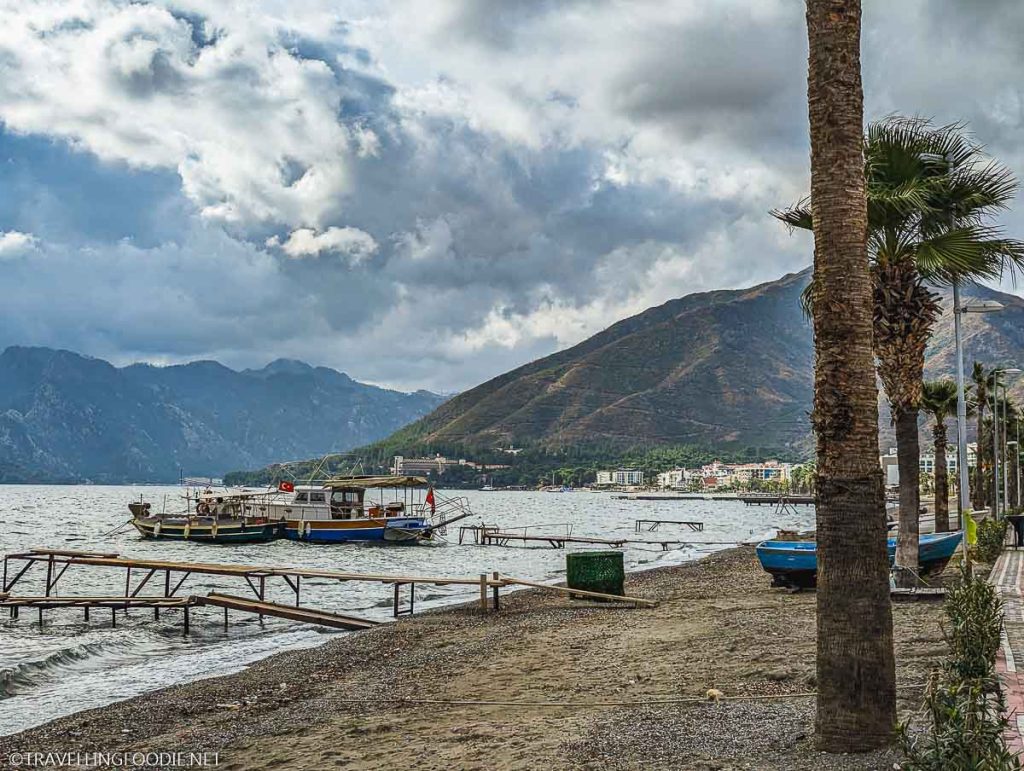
(66, 417)
(289, 366)
(729, 369)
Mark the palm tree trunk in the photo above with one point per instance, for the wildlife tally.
(908, 458)
(855, 665)
(941, 478)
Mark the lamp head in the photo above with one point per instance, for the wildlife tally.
(982, 306)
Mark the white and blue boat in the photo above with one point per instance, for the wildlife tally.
(343, 510)
(795, 563)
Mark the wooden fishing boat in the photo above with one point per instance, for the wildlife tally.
(795, 563)
(343, 510)
(211, 518)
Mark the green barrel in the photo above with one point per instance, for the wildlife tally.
(596, 571)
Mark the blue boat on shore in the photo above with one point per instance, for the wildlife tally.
(795, 563)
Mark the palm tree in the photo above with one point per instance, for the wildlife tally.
(931, 197)
(855, 665)
(939, 400)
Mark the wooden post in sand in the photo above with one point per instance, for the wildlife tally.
(496, 579)
(483, 592)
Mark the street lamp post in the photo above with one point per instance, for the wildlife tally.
(988, 306)
(1015, 444)
(996, 469)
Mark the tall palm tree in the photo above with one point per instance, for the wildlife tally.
(931, 198)
(855, 665)
(939, 400)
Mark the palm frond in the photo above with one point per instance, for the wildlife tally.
(971, 252)
(797, 216)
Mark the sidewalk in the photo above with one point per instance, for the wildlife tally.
(1006, 577)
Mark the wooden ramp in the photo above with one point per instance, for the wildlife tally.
(307, 615)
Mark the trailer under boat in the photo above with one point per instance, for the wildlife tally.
(795, 563)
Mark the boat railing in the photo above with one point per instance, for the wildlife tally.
(447, 510)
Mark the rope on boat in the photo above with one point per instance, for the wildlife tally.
(117, 529)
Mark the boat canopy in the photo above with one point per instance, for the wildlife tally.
(368, 482)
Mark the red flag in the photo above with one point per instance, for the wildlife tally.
(430, 500)
(286, 487)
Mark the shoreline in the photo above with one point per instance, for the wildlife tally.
(491, 684)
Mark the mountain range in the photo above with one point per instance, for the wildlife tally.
(67, 417)
(725, 369)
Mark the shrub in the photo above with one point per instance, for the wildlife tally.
(975, 615)
(963, 700)
(966, 734)
(991, 535)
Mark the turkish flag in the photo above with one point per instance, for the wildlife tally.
(430, 500)
(286, 487)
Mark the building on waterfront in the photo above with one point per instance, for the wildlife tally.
(625, 477)
(679, 479)
(403, 466)
(765, 471)
(926, 463)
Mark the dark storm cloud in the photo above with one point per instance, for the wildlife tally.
(728, 75)
(500, 179)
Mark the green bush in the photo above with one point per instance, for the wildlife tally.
(974, 634)
(967, 725)
(964, 701)
(991, 535)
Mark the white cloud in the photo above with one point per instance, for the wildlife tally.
(15, 244)
(251, 126)
(354, 244)
(481, 180)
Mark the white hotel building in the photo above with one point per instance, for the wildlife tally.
(624, 477)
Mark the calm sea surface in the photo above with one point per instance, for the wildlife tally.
(70, 665)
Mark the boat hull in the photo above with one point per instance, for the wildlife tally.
(225, 532)
(794, 564)
(398, 530)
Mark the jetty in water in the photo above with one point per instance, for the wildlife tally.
(490, 535)
(139, 574)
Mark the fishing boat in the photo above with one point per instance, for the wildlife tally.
(795, 563)
(343, 510)
(209, 518)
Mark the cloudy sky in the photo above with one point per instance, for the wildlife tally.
(426, 193)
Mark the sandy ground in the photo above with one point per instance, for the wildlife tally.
(718, 625)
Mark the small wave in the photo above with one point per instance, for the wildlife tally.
(29, 674)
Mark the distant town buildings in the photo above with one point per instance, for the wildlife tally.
(403, 466)
(624, 477)
(926, 463)
(717, 475)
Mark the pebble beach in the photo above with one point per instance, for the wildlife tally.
(544, 683)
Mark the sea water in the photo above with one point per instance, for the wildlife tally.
(69, 664)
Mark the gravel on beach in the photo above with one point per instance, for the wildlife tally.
(718, 625)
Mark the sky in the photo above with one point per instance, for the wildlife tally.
(427, 193)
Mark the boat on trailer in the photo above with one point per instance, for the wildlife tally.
(209, 517)
(795, 563)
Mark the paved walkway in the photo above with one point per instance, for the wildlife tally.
(1006, 575)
